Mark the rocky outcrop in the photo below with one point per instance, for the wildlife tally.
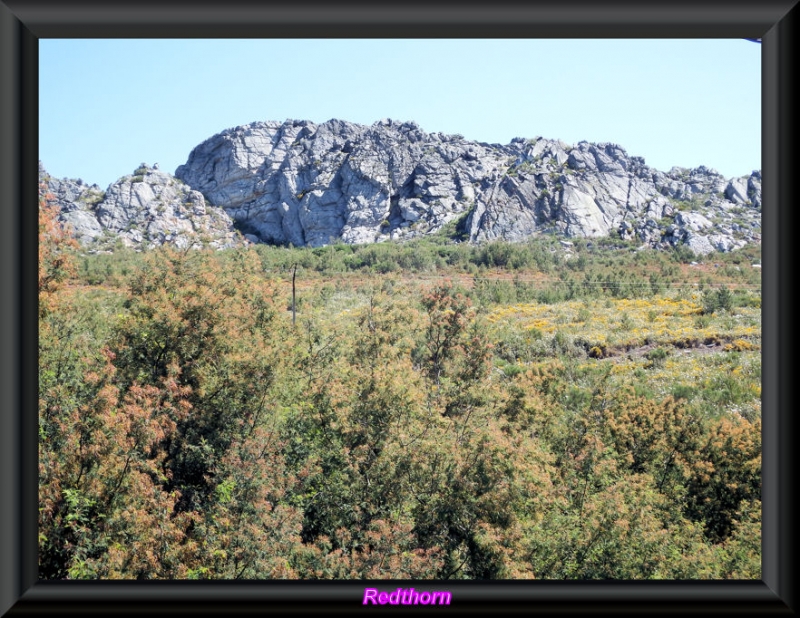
(306, 184)
(76, 202)
(302, 183)
(145, 209)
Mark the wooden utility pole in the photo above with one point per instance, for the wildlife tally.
(294, 274)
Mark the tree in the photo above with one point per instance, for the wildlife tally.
(215, 325)
(725, 477)
(454, 353)
(56, 261)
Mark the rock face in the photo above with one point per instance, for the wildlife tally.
(145, 209)
(76, 202)
(306, 184)
(302, 183)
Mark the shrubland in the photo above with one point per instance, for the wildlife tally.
(436, 410)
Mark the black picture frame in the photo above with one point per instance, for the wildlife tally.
(23, 22)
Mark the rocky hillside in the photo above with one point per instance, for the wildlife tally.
(145, 209)
(311, 184)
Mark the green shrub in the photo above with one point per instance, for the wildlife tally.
(657, 357)
(715, 300)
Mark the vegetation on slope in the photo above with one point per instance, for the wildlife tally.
(438, 410)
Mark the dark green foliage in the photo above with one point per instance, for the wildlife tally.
(715, 300)
(657, 356)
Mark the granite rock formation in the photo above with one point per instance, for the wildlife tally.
(145, 209)
(307, 184)
(301, 183)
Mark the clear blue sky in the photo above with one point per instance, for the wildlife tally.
(107, 105)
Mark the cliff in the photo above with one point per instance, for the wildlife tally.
(312, 184)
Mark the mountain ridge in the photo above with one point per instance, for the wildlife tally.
(301, 183)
